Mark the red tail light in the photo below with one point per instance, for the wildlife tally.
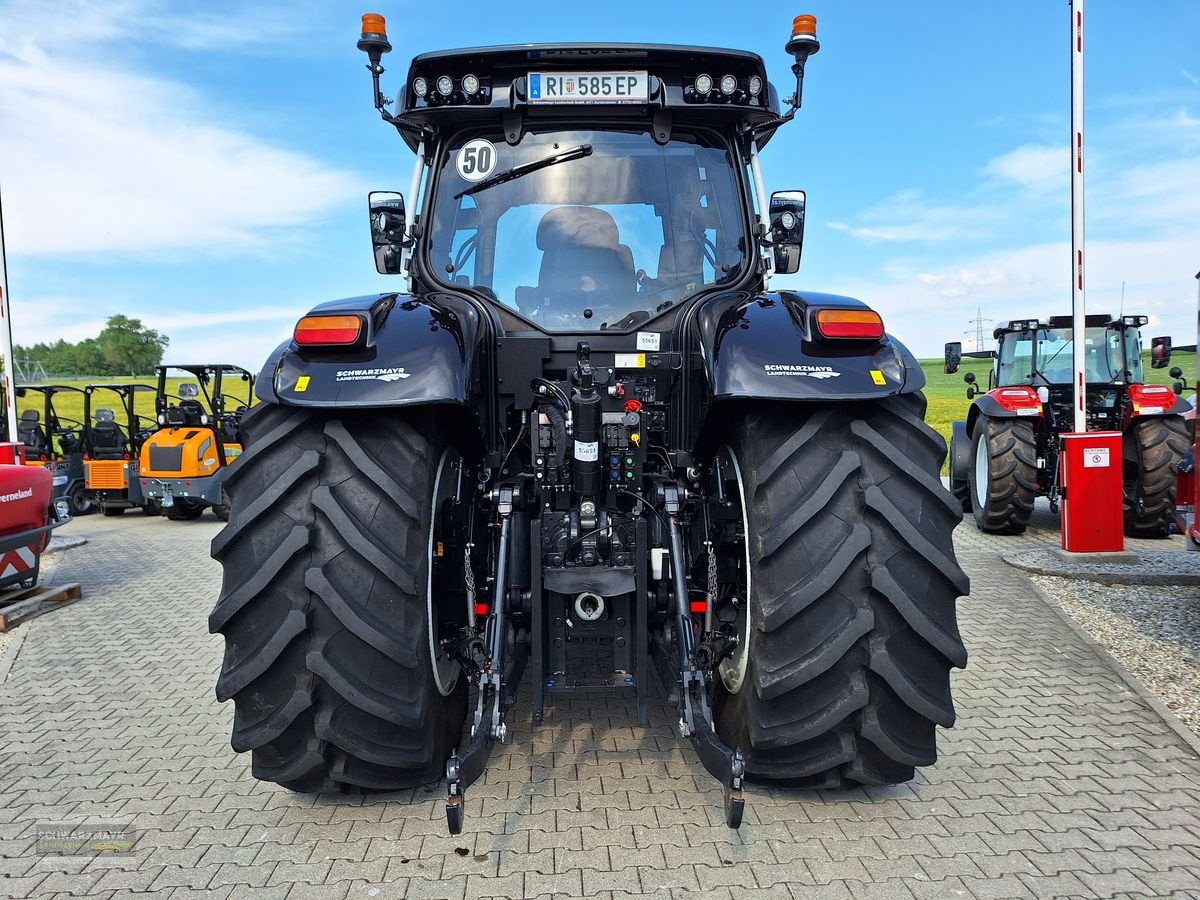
(1150, 399)
(481, 609)
(1023, 401)
(328, 331)
(699, 606)
(850, 324)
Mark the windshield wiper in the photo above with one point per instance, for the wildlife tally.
(525, 168)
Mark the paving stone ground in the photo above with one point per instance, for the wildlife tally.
(1058, 780)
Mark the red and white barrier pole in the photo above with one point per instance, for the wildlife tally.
(1090, 464)
(1077, 299)
(6, 343)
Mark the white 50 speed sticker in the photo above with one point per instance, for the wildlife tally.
(476, 160)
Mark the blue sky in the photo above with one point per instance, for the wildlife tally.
(205, 166)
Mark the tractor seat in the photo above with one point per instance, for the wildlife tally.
(108, 440)
(583, 258)
(32, 435)
(188, 412)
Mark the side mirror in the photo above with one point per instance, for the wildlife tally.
(189, 391)
(953, 357)
(787, 229)
(1160, 352)
(1177, 387)
(388, 226)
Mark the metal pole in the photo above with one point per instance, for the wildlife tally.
(1078, 310)
(6, 342)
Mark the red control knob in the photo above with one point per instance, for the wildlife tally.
(633, 406)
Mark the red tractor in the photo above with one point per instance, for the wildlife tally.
(1006, 453)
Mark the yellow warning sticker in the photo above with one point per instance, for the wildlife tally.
(877, 377)
(302, 384)
(629, 360)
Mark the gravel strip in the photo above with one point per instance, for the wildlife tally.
(1165, 567)
(1153, 631)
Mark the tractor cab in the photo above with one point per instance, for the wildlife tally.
(1043, 354)
(54, 439)
(198, 409)
(114, 433)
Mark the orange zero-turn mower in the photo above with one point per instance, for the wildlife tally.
(181, 466)
(113, 434)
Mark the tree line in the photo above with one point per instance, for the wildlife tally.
(124, 347)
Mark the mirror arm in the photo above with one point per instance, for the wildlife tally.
(794, 101)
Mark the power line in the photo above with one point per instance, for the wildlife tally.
(978, 322)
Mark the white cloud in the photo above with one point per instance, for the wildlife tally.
(101, 158)
(906, 216)
(1035, 281)
(1189, 76)
(241, 336)
(1034, 167)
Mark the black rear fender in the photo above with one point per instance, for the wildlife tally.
(765, 347)
(416, 351)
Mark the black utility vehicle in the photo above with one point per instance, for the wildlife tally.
(54, 441)
(587, 436)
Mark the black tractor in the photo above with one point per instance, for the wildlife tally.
(585, 438)
(1007, 452)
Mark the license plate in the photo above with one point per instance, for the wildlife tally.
(588, 87)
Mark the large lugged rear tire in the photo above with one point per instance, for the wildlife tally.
(324, 602)
(853, 583)
(1003, 479)
(1153, 447)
